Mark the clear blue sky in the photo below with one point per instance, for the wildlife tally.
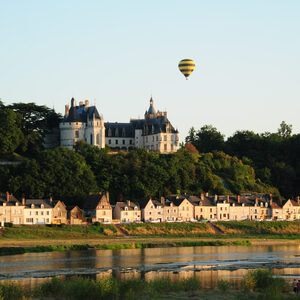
(118, 53)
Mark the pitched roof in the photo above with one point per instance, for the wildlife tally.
(130, 206)
(38, 202)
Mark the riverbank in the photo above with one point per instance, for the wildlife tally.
(258, 284)
(144, 235)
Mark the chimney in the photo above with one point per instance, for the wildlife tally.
(239, 199)
(256, 201)
(298, 200)
(128, 202)
(107, 195)
(81, 103)
(86, 103)
(206, 194)
(162, 200)
(73, 104)
(50, 199)
(23, 200)
(216, 197)
(202, 196)
(7, 196)
(227, 198)
(271, 199)
(165, 113)
(67, 109)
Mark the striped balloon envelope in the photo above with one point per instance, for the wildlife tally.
(186, 67)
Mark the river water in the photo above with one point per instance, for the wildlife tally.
(209, 264)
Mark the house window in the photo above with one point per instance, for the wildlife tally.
(165, 138)
(91, 139)
(117, 142)
(47, 213)
(77, 134)
(36, 213)
(123, 141)
(98, 139)
(109, 142)
(165, 147)
(130, 142)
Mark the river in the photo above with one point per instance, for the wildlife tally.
(209, 264)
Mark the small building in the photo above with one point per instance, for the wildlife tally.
(152, 210)
(291, 210)
(11, 210)
(98, 208)
(185, 208)
(204, 207)
(128, 212)
(170, 210)
(75, 215)
(59, 213)
(37, 211)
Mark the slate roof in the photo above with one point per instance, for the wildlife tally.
(130, 206)
(92, 201)
(119, 130)
(38, 202)
(81, 113)
(144, 202)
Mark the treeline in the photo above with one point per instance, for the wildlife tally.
(70, 175)
(274, 156)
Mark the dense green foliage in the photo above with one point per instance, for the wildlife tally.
(273, 156)
(259, 284)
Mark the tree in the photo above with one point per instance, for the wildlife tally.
(207, 139)
(10, 134)
(285, 130)
(37, 121)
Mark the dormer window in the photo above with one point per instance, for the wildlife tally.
(123, 132)
(109, 132)
(117, 132)
(32, 205)
(126, 208)
(42, 205)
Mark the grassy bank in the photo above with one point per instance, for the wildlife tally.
(287, 230)
(58, 232)
(258, 284)
(133, 245)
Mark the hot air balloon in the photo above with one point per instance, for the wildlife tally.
(186, 67)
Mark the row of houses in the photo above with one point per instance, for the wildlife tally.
(180, 208)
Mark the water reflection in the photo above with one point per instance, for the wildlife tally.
(208, 264)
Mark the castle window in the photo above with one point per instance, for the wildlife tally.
(77, 134)
(109, 142)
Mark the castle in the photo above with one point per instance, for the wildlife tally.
(83, 122)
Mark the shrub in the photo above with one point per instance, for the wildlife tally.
(223, 285)
(7, 224)
(10, 291)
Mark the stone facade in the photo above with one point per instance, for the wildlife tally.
(59, 213)
(11, 210)
(83, 122)
(128, 212)
(37, 211)
(152, 210)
